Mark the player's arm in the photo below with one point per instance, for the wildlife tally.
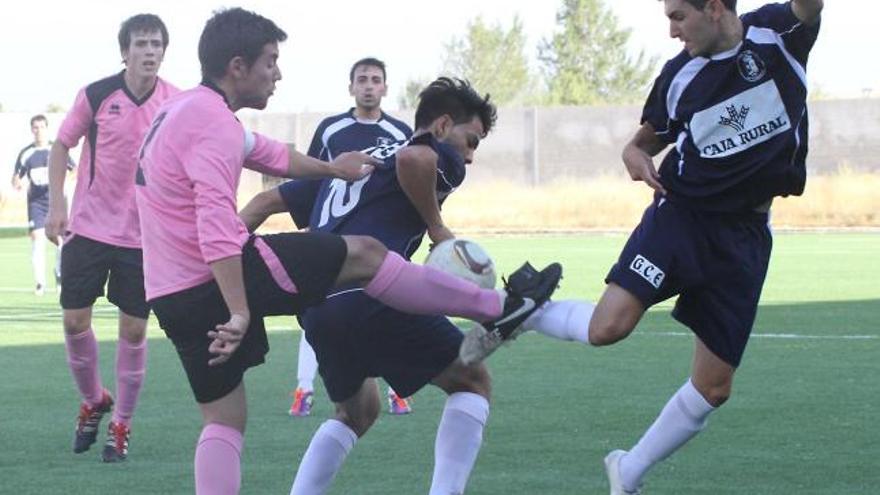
(18, 172)
(807, 11)
(261, 207)
(271, 157)
(350, 166)
(638, 157)
(417, 175)
(56, 221)
(227, 336)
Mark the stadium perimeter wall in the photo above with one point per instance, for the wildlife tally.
(540, 145)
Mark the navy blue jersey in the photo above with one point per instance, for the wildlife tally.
(738, 118)
(33, 163)
(375, 205)
(345, 132)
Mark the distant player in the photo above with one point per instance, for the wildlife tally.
(734, 104)
(102, 238)
(210, 283)
(364, 126)
(357, 337)
(32, 165)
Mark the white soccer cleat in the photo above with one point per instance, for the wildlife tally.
(612, 469)
(479, 343)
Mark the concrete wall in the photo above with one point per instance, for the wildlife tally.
(534, 145)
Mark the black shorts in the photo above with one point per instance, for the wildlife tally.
(356, 337)
(38, 210)
(715, 262)
(310, 261)
(86, 265)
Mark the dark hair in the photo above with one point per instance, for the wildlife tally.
(138, 23)
(370, 62)
(456, 98)
(234, 33)
(39, 117)
(700, 4)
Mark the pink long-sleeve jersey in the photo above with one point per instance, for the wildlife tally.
(114, 122)
(190, 166)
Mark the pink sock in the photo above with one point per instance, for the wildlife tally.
(131, 364)
(82, 358)
(425, 290)
(218, 460)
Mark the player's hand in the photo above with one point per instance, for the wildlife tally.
(227, 337)
(56, 223)
(640, 166)
(354, 165)
(439, 233)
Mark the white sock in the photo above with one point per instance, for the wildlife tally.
(564, 320)
(459, 438)
(38, 258)
(325, 455)
(682, 418)
(307, 365)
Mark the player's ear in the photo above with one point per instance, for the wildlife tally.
(237, 67)
(444, 126)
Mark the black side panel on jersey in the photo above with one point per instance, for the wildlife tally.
(96, 93)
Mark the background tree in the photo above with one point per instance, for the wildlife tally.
(409, 98)
(493, 59)
(586, 61)
(55, 108)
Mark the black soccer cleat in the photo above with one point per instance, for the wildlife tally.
(116, 447)
(87, 423)
(527, 290)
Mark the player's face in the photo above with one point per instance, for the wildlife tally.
(367, 87)
(40, 131)
(465, 138)
(697, 29)
(258, 81)
(144, 53)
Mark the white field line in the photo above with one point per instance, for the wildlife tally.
(51, 314)
(756, 335)
(759, 335)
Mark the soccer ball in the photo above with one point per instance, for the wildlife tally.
(465, 259)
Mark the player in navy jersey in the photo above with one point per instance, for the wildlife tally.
(733, 104)
(357, 338)
(361, 127)
(32, 164)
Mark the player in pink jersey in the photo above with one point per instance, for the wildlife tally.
(102, 237)
(210, 283)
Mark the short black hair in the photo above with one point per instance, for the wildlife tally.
(139, 23)
(700, 4)
(369, 62)
(456, 98)
(39, 118)
(234, 33)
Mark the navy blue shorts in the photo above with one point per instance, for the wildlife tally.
(86, 265)
(38, 210)
(715, 262)
(311, 261)
(356, 337)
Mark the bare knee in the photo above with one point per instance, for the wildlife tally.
(365, 256)
(460, 378)
(608, 332)
(616, 315)
(131, 328)
(77, 321)
(360, 420)
(716, 395)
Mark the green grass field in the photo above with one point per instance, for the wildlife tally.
(803, 419)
